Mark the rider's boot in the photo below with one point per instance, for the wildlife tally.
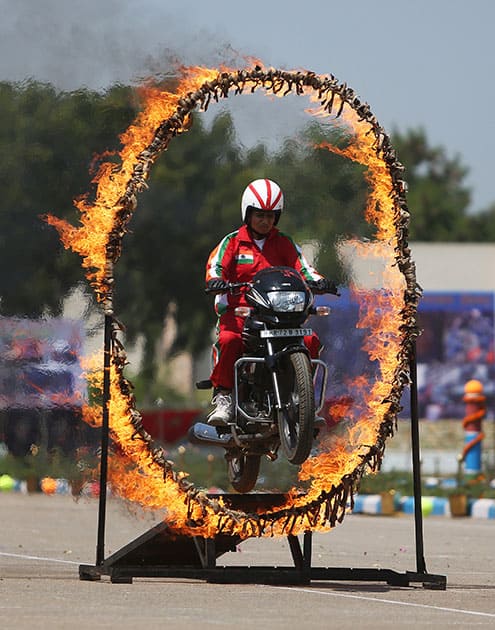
(224, 409)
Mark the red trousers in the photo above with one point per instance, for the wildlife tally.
(228, 348)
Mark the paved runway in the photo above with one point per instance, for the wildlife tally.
(45, 538)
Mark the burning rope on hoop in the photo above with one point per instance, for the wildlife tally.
(201, 514)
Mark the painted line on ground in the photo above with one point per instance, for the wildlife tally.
(26, 557)
(388, 601)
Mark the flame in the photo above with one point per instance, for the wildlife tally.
(93, 374)
(135, 474)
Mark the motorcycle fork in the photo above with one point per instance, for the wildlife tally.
(316, 365)
(276, 388)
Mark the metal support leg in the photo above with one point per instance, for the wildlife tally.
(416, 461)
(295, 549)
(206, 551)
(307, 549)
(302, 557)
(100, 545)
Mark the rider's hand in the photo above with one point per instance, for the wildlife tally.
(323, 286)
(217, 285)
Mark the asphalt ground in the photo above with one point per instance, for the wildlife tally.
(45, 538)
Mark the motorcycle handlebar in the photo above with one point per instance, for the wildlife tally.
(333, 292)
(229, 288)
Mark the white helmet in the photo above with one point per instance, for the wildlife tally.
(262, 194)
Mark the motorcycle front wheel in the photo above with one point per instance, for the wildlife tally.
(296, 420)
(243, 471)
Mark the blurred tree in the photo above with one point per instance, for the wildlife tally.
(481, 226)
(438, 197)
(47, 140)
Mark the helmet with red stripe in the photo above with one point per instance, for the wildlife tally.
(262, 194)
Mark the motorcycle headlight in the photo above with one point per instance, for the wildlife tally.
(287, 301)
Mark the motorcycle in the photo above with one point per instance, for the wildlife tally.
(278, 388)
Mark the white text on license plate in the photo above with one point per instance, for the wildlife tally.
(286, 332)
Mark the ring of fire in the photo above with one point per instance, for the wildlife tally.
(141, 472)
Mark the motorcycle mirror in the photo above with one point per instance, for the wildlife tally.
(242, 311)
(322, 311)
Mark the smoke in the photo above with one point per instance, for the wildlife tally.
(97, 43)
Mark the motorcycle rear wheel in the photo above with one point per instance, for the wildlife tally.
(243, 471)
(296, 421)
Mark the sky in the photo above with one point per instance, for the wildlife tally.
(417, 63)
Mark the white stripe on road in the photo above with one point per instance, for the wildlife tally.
(389, 601)
(24, 557)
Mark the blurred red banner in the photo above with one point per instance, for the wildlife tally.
(169, 426)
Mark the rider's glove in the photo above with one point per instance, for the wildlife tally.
(216, 285)
(323, 286)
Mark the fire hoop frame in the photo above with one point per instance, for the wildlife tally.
(330, 506)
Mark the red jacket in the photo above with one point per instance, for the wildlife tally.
(237, 258)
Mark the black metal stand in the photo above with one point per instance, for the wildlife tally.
(102, 506)
(416, 462)
(160, 552)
